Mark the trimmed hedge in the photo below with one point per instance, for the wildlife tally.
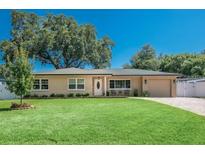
(70, 95)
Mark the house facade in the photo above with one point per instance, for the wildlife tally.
(105, 82)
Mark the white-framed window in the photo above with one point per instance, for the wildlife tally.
(44, 84)
(119, 84)
(76, 84)
(36, 84)
(40, 84)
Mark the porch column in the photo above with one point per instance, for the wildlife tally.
(105, 85)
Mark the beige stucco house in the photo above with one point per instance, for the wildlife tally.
(104, 82)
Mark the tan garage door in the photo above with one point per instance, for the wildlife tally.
(159, 88)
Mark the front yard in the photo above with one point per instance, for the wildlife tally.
(99, 121)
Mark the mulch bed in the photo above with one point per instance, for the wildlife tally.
(23, 106)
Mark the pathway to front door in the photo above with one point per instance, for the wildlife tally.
(98, 91)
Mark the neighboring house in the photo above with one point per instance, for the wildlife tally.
(191, 87)
(105, 82)
(4, 92)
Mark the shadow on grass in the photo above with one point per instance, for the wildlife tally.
(4, 109)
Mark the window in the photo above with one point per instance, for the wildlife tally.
(40, 84)
(119, 84)
(112, 84)
(72, 84)
(98, 85)
(76, 84)
(80, 83)
(44, 84)
(36, 84)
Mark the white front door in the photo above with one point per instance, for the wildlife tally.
(98, 91)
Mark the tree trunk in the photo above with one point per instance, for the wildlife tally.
(21, 99)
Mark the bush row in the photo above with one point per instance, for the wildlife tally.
(58, 95)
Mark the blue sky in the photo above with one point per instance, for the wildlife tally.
(168, 31)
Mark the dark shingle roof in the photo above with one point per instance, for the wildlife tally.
(117, 72)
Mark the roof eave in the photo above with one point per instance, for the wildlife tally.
(115, 74)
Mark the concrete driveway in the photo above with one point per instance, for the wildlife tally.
(195, 105)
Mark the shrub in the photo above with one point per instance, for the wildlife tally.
(113, 93)
(52, 95)
(78, 95)
(34, 96)
(135, 92)
(70, 95)
(86, 95)
(27, 96)
(126, 92)
(44, 96)
(145, 94)
(120, 93)
(107, 93)
(60, 95)
(15, 106)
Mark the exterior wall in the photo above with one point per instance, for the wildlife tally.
(58, 84)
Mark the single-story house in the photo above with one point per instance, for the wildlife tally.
(4, 92)
(191, 87)
(105, 82)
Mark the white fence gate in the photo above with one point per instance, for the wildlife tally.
(191, 88)
(5, 93)
(200, 89)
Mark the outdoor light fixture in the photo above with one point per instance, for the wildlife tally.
(145, 81)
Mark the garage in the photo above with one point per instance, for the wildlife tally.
(159, 88)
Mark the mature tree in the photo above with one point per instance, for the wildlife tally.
(172, 64)
(18, 74)
(1, 70)
(57, 40)
(24, 30)
(187, 64)
(203, 52)
(127, 66)
(145, 58)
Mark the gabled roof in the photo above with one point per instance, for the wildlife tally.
(115, 72)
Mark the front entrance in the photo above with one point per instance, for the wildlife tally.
(98, 90)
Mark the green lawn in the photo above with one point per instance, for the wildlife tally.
(99, 121)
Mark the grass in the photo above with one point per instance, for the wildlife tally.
(99, 121)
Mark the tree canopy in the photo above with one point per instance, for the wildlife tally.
(1, 70)
(145, 58)
(187, 64)
(18, 74)
(58, 40)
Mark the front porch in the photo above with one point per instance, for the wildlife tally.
(114, 86)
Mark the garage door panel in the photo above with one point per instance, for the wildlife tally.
(159, 88)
